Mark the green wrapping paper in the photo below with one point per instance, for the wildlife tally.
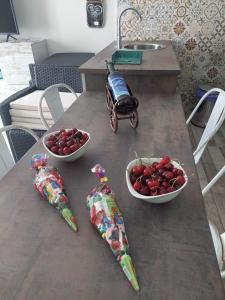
(108, 220)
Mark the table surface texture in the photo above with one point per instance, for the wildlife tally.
(41, 258)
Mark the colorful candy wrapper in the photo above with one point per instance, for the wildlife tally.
(49, 184)
(107, 218)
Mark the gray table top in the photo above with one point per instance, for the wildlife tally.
(170, 244)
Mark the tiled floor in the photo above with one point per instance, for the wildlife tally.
(212, 161)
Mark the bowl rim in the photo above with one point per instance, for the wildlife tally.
(140, 196)
(71, 154)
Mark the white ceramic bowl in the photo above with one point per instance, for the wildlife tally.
(153, 199)
(71, 157)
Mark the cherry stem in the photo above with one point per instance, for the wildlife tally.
(137, 157)
(173, 180)
(139, 178)
(176, 160)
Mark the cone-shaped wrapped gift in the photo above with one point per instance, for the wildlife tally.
(49, 184)
(107, 218)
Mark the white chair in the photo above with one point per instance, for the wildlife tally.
(218, 239)
(54, 103)
(213, 181)
(219, 245)
(6, 159)
(214, 123)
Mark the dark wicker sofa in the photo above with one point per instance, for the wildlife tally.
(42, 76)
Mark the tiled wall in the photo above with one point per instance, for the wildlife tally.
(197, 29)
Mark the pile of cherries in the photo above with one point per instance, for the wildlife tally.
(159, 178)
(66, 142)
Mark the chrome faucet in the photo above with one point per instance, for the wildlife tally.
(119, 37)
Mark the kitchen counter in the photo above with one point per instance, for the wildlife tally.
(170, 244)
(159, 70)
(153, 61)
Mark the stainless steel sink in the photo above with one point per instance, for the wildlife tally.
(145, 46)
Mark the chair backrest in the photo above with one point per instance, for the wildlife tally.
(214, 123)
(45, 75)
(6, 158)
(213, 181)
(54, 103)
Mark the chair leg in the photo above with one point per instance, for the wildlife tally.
(213, 181)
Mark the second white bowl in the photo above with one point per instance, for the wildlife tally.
(153, 199)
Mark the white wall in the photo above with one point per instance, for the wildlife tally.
(63, 23)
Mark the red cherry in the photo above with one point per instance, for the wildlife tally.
(180, 180)
(169, 167)
(159, 166)
(162, 191)
(60, 151)
(74, 147)
(61, 131)
(50, 144)
(78, 134)
(64, 135)
(85, 136)
(180, 172)
(62, 142)
(82, 141)
(165, 160)
(145, 191)
(69, 143)
(161, 171)
(175, 171)
(160, 179)
(154, 164)
(168, 175)
(170, 189)
(153, 169)
(133, 178)
(153, 184)
(51, 138)
(70, 132)
(154, 192)
(165, 184)
(54, 149)
(74, 130)
(66, 150)
(138, 170)
(147, 180)
(137, 186)
(147, 172)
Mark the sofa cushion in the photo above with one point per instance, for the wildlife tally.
(68, 59)
(31, 120)
(30, 101)
(24, 111)
(30, 125)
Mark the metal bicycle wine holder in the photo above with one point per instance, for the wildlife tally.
(115, 117)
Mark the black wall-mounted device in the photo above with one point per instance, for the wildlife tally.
(95, 13)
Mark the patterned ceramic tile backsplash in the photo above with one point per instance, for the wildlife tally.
(197, 29)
